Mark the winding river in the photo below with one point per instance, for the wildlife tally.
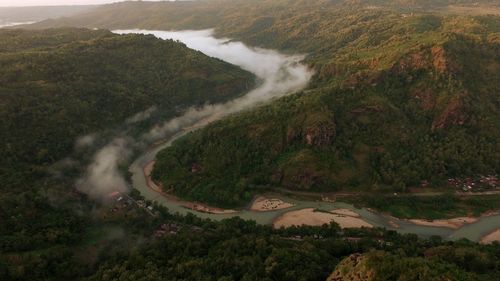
(281, 75)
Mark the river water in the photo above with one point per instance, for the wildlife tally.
(281, 75)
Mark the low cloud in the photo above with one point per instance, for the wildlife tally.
(85, 141)
(102, 176)
(281, 75)
(141, 116)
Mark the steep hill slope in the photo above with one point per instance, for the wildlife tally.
(386, 111)
(379, 266)
(251, 15)
(399, 97)
(57, 85)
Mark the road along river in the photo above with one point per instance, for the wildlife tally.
(281, 75)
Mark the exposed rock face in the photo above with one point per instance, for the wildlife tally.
(412, 62)
(435, 58)
(441, 62)
(452, 115)
(352, 268)
(320, 135)
(315, 131)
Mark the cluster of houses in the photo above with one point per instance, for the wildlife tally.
(172, 229)
(167, 228)
(123, 201)
(470, 184)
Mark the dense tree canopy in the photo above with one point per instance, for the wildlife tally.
(400, 96)
(58, 84)
(381, 115)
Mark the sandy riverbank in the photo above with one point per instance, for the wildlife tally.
(491, 237)
(206, 209)
(199, 207)
(345, 212)
(263, 204)
(345, 218)
(147, 173)
(454, 223)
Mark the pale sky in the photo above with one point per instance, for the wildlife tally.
(19, 3)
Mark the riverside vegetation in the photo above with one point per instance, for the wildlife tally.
(396, 100)
(404, 93)
(400, 95)
(58, 84)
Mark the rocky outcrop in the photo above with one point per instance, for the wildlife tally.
(432, 58)
(353, 268)
(412, 62)
(441, 61)
(321, 134)
(453, 114)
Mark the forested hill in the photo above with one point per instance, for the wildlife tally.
(56, 85)
(249, 20)
(405, 92)
(397, 101)
(59, 84)
(397, 98)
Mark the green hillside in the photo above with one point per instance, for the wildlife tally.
(432, 266)
(387, 110)
(57, 85)
(405, 92)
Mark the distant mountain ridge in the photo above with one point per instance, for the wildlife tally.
(38, 13)
(220, 13)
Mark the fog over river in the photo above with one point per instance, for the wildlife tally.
(280, 75)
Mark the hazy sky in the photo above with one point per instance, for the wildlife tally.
(17, 3)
